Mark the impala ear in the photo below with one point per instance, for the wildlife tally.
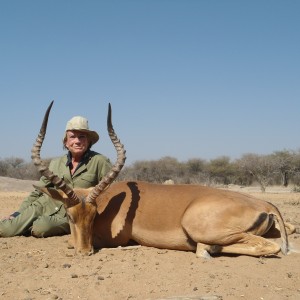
(51, 192)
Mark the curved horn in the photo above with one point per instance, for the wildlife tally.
(115, 170)
(35, 155)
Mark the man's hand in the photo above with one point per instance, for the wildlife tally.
(7, 218)
(10, 217)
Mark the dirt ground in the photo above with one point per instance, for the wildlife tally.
(33, 268)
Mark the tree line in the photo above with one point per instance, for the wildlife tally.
(278, 168)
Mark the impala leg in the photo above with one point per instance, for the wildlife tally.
(204, 250)
(290, 229)
(249, 245)
(274, 231)
(253, 245)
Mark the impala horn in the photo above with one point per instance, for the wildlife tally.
(35, 155)
(115, 170)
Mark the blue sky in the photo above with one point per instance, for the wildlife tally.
(187, 79)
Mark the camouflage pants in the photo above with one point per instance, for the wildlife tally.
(32, 222)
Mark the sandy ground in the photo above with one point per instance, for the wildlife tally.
(33, 268)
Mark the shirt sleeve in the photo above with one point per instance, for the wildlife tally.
(34, 195)
(105, 168)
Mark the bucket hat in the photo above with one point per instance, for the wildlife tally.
(81, 124)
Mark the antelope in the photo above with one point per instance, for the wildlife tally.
(180, 217)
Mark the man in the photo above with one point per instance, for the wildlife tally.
(42, 216)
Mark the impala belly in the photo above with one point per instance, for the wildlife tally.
(170, 239)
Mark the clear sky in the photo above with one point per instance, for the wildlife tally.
(186, 78)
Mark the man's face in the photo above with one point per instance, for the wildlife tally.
(77, 142)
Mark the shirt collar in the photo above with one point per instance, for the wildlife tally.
(84, 158)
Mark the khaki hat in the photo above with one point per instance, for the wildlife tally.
(81, 124)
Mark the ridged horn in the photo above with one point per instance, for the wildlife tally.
(115, 170)
(35, 155)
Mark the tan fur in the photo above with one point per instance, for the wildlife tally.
(181, 217)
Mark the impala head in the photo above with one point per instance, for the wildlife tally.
(80, 204)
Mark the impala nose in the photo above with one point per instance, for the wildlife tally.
(85, 252)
